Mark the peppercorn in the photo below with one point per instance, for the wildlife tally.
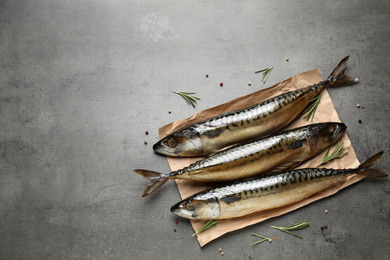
(169, 111)
(249, 83)
(274, 238)
(360, 121)
(287, 59)
(145, 142)
(207, 75)
(222, 253)
(146, 132)
(220, 250)
(325, 226)
(322, 228)
(221, 84)
(357, 105)
(326, 211)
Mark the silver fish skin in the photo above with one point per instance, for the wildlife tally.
(238, 126)
(264, 193)
(268, 154)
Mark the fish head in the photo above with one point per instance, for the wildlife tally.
(184, 143)
(325, 135)
(197, 209)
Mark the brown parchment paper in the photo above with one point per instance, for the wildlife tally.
(325, 113)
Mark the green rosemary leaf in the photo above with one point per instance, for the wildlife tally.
(263, 238)
(211, 223)
(309, 113)
(297, 226)
(266, 73)
(187, 96)
(338, 152)
(259, 241)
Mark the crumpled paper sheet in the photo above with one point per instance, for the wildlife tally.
(325, 113)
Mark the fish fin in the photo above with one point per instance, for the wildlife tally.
(366, 170)
(373, 173)
(338, 78)
(155, 179)
(296, 144)
(231, 199)
(294, 166)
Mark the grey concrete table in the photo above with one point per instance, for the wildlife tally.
(81, 82)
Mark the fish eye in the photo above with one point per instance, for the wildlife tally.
(190, 206)
(331, 129)
(171, 142)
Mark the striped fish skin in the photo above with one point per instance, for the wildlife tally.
(271, 154)
(264, 193)
(238, 126)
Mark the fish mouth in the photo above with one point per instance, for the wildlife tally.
(341, 128)
(160, 148)
(180, 210)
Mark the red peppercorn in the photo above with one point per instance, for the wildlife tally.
(207, 75)
(221, 84)
(177, 222)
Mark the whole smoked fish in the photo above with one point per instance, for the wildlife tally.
(271, 154)
(264, 193)
(238, 126)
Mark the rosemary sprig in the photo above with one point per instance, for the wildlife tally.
(211, 223)
(300, 225)
(187, 96)
(338, 152)
(266, 73)
(263, 238)
(309, 113)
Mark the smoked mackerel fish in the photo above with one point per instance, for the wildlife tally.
(269, 192)
(273, 153)
(242, 125)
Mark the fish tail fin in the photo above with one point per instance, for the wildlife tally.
(155, 179)
(366, 169)
(338, 78)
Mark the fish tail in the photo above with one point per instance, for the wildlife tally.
(366, 169)
(155, 179)
(338, 78)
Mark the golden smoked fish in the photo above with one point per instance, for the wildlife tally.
(238, 126)
(264, 193)
(271, 154)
